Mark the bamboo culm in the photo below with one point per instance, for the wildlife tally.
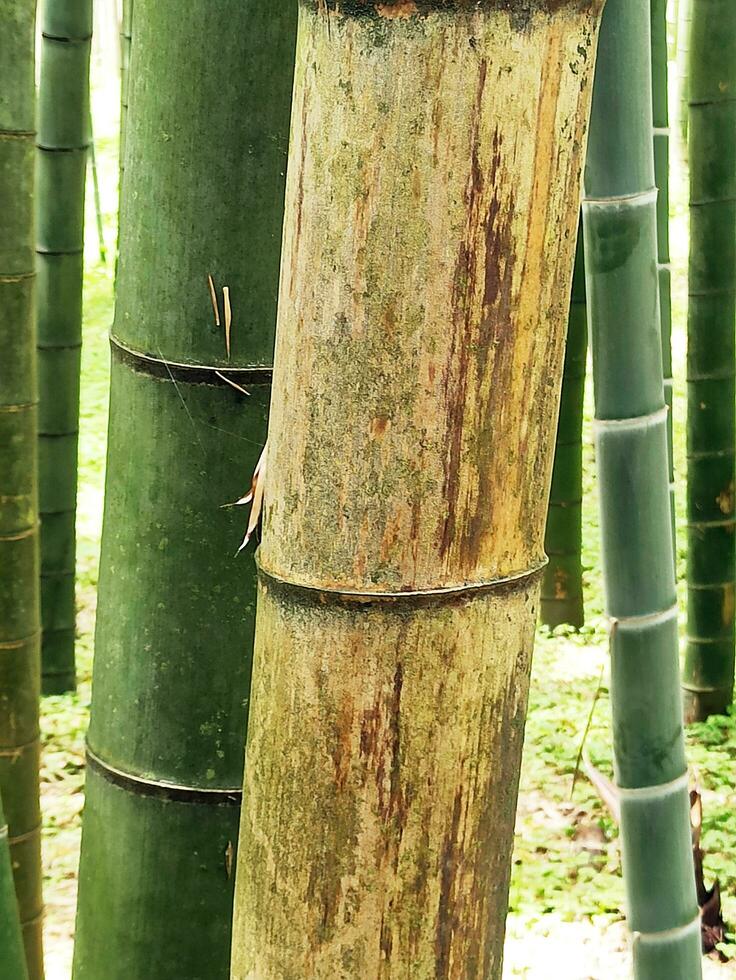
(620, 226)
(63, 139)
(432, 202)
(126, 41)
(12, 956)
(176, 611)
(682, 63)
(562, 584)
(19, 571)
(661, 143)
(711, 362)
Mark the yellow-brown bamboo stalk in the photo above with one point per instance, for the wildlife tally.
(432, 199)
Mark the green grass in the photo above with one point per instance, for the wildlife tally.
(566, 859)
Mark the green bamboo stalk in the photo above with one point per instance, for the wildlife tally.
(673, 12)
(711, 361)
(19, 598)
(63, 141)
(126, 41)
(432, 203)
(96, 192)
(620, 224)
(562, 583)
(661, 140)
(683, 68)
(203, 195)
(12, 957)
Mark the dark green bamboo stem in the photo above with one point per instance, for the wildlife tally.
(631, 434)
(661, 139)
(203, 195)
(12, 958)
(562, 584)
(63, 139)
(19, 599)
(711, 361)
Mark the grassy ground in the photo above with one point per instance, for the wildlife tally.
(566, 895)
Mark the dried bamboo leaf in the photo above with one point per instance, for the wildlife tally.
(256, 491)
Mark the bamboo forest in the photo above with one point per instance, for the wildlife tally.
(367, 489)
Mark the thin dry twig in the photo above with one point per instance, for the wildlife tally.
(232, 383)
(587, 730)
(228, 317)
(213, 297)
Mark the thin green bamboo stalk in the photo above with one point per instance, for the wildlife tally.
(661, 142)
(673, 12)
(19, 571)
(12, 957)
(620, 224)
(711, 362)
(562, 583)
(206, 147)
(96, 192)
(683, 68)
(126, 44)
(126, 41)
(63, 142)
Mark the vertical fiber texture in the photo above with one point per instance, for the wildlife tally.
(431, 211)
(19, 601)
